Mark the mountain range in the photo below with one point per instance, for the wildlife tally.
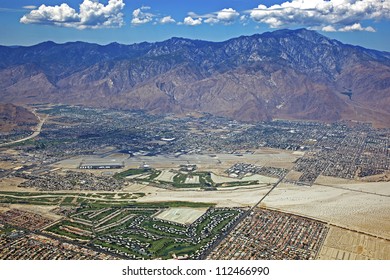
(285, 74)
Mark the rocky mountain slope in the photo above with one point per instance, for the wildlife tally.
(16, 118)
(290, 74)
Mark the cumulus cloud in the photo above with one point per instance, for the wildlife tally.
(327, 15)
(328, 28)
(167, 19)
(191, 21)
(140, 16)
(356, 27)
(143, 15)
(92, 14)
(58, 15)
(225, 16)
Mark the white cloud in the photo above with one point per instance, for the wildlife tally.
(356, 27)
(58, 15)
(167, 19)
(327, 15)
(244, 20)
(193, 15)
(190, 21)
(211, 20)
(328, 28)
(92, 14)
(30, 7)
(227, 15)
(141, 17)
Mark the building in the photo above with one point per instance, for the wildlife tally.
(101, 165)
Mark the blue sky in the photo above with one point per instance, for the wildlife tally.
(27, 22)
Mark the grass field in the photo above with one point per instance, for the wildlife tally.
(137, 233)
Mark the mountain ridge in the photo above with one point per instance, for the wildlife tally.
(294, 74)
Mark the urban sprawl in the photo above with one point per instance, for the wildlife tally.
(93, 216)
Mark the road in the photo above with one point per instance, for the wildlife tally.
(37, 131)
(239, 220)
(276, 184)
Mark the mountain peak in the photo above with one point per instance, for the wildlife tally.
(303, 33)
(297, 74)
(47, 44)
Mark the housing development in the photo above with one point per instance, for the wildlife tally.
(112, 184)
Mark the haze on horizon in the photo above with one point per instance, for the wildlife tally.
(28, 22)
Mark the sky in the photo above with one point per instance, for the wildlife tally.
(28, 22)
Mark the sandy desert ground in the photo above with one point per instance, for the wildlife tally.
(342, 244)
(367, 213)
(379, 188)
(182, 215)
(327, 180)
(229, 197)
(255, 177)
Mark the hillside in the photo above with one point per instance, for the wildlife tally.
(289, 74)
(16, 118)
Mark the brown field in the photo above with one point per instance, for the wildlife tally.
(11, 185)
(293, 175)
(45, 211)
(368, 213)
(7, 165)
(384, 177)
(327, 180)
(342, 244)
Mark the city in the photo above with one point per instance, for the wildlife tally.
(195, 187)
